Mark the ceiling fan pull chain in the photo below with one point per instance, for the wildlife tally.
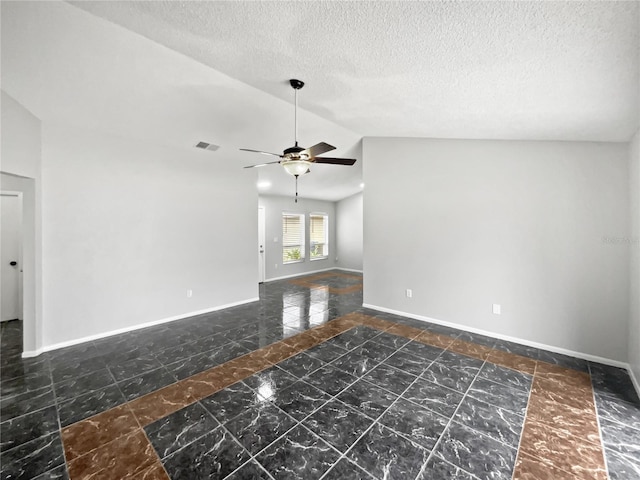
(296, 188)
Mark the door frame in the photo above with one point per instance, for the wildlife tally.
(18, 195)
(262, 244)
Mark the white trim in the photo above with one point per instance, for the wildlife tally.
(110, 333)
(349, 270)
(550, 348)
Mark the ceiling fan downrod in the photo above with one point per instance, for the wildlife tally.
(296, 85)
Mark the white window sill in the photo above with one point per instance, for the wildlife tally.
(293, 261)
(318, 258)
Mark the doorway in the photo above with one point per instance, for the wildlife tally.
(11, 256)
(261, 245)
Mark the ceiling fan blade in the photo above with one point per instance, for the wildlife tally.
(319, 149)
(260, 151)
(335, 161)
(262, 164)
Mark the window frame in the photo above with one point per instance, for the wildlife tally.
(325, 255)
(301, 246)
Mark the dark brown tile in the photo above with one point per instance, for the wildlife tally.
(122, 458)
(570, 420)
(556, 389)
(435, 339)
(563, 450)
(566, 375)
(405, 331)
(512, 361)
(82, 437)
(161, 403)
(532, 468)
(209, 382)
(470, 349)
(377, 323)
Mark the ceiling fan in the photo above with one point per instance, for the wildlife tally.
(297, 160)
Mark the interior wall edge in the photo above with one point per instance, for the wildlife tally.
(499, 336)
(76, 341)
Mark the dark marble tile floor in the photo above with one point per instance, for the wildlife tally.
(364, 404)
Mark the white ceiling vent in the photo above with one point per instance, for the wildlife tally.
(207, 146)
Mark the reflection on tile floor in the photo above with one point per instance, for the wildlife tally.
(307, 384)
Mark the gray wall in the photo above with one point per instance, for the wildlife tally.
(20, 167)
(129, 226)
(466, 224)
(274, 207)
(349, 232)
(634, 304)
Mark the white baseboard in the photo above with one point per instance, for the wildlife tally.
(542, 346)
(349, 270)
(69, 343)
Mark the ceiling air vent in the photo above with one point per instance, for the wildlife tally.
(207, 146)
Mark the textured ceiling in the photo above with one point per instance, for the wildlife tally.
(495, 70)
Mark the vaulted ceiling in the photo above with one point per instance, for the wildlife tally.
(493, 70)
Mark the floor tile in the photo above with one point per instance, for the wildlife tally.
(31, 459)
(490, 420)
(506, 376)
(300, 399)
(146, 383)
(179, 429)
(407, 362)
(390, 340)
(499, 395)
(326, 352)
(367, 398)
(230, 402)
(354, 337)
(479, 455)
(455, 378)
(301, 365)
(251, 470)
(299, 454)
(23, 429)
(338, 424)
(436, 398)
(134, 367)
(26, 383)
(89, 404)
(390, 378)
(622, 467)
(270, 381)
(257, 427)
(75, 387)
(422, 350)
(562, 450)
(346, 470)
(82, 437)
(213, 456)
(330, 380)
(26, 402)
(621, 438)
(58, 473)
(420, 425)
(619, 411)
(385, 453)
(454, 359)
(438, 469)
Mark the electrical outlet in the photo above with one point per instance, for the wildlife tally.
(409, 293)
(496, 309)
(189, 293)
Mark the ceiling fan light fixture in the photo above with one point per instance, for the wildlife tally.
(296, 167)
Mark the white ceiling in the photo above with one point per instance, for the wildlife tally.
(218, 71)
(496, 70)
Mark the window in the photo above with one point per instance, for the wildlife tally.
(319, 235)
(292, 238)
